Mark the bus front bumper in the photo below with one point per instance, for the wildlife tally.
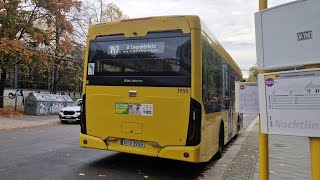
(181, 153)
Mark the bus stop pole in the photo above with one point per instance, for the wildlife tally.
(263, 138)
(314, 146)
(264, 150)
(315, 157)
(263, 4)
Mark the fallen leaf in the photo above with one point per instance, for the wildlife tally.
(102, 175)
(81, 174)
(146, 177)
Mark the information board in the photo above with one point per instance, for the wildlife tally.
(288, 35)
(247, 97)
(290, 102)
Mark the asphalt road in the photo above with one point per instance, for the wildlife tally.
(53, 152)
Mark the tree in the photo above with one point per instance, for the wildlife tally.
(112, 13)
(253, 74)
(95, 11)
(25, 24)
(11, 52)
(35, 72)
(59, 33)
(16, 29)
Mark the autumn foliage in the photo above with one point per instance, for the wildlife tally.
(43, 38)
(12, 49)
(9, 112)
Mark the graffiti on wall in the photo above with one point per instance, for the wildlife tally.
(56, 107)
(44, 107)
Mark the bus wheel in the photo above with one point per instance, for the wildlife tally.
(239, 124)
(221, 142)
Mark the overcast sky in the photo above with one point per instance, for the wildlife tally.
(231, 21)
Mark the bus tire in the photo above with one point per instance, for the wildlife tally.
(221, 141)
(239, 124)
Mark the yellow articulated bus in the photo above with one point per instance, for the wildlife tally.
(158, 86)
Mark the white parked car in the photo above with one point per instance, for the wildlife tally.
(71, 113)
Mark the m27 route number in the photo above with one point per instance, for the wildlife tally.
(182, 90)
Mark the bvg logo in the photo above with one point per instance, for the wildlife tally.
(304, 35)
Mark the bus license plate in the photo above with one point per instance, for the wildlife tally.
(125, 142)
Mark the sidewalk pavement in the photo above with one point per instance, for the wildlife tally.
(240, 157)
(289, 158)
(27, 121)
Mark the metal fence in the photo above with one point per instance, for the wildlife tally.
(24, 81)
(41, 77)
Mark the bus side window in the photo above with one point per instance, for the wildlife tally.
(211, 78)
(213, 105)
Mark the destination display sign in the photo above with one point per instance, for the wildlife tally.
(131, 48)
(290, 103)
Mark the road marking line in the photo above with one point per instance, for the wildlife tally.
(249, 128)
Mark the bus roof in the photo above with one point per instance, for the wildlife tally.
(141, 27)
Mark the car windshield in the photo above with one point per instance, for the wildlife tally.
(77, 103)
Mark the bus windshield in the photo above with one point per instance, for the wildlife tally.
(158, 55)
